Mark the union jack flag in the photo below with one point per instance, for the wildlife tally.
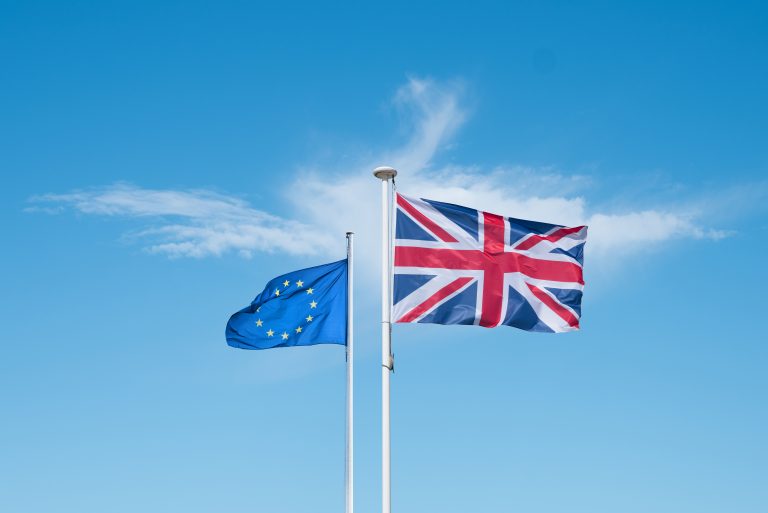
(457, 265)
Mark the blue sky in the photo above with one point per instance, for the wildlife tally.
(162, 161)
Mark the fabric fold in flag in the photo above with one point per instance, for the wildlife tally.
(301, 308)
(457, 265)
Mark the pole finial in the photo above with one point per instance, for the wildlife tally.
(385, 172)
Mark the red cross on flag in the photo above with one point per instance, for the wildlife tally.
(457, 265)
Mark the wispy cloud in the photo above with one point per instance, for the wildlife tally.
(433, 113)
(194, 223)
(198, 223)
(518, 191)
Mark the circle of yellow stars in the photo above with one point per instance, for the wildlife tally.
(309, 318)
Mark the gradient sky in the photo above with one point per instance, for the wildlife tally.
(161, 161)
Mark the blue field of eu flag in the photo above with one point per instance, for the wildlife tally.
(301, 308)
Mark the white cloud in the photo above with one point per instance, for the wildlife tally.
(195, 223)
(199, 223)
(434, 115)
(520, 191)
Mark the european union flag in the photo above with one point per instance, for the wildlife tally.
(302, 308)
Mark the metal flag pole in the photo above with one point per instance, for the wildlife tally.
(350, 475)
(385, 174)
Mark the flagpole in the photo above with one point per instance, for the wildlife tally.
(350, 475)
(385, 174)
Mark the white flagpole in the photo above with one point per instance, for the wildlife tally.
(350, 503)
(385, 174)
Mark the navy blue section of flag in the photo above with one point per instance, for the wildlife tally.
(457, 265)
(301, 308)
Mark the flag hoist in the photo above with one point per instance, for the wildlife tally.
(387, 177)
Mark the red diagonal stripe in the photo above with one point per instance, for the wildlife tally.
(434, 299)
(424, 220)
(552, 237)
(556, 307)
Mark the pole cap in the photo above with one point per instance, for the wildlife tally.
(384, 172)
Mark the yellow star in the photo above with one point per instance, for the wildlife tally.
(298, 330)
(285, 336)
(313, 304)
(259, 322)
(286, 283)
(299, 283)
(309, 318)
(310, 290)
(277, 292)
(270, 333)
